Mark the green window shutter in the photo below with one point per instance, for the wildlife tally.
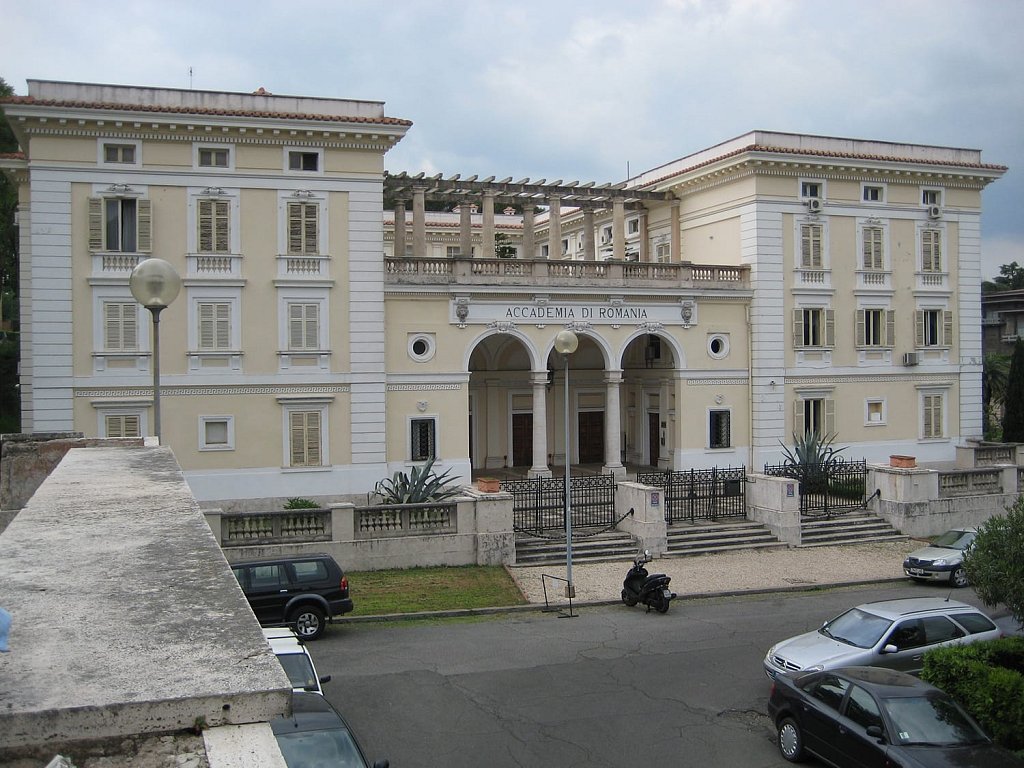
(145, 226)
(131, 426)
(313, 439)
(830, 327)
(297, 439)
(947, 328)
(830, 417)
(312, 326)
(311, 228)
(919, 328)
(112, 326)
(223, 326)
(798, 328)
(222, 213)
(799, 426)
(95, 224)
(860, 331)
(205, 224)
(294, 227)
(890, 327)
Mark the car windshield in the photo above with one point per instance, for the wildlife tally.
(954, 540)
(333, 747)
(931, 720)
(857, 627)
(299, 670)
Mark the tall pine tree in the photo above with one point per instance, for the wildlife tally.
(1013, 416)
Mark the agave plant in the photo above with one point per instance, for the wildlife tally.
(811, 458)
(421, 486)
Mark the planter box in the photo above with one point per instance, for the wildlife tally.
(488, 484)
(902, 462)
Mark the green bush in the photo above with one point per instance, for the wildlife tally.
(300, 503)
(993, 694)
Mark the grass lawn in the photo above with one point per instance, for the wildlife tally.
(410, 590)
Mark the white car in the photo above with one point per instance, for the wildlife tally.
(295, 659)
(942, 560)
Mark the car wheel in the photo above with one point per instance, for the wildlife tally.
(791, 741)
(958, 578)
(308, 622)
(628, 599)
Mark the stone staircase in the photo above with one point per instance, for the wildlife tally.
(598, 548)
(847, 529)
(706, 538)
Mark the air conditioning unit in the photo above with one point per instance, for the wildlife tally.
(910, 358)
(814, 204)
(934, 212)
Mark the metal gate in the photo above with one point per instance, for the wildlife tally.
(829, 489)
(539, 503)
(706, 494)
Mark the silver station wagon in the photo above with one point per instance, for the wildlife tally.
(889, 633)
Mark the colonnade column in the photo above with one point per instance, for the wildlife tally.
(674, 245)
(555, 228)
(466, 228)
(664, 407)
(419, 222)
(529, 246)
(488, 228)
(589, 251)
(618, 229)
(643, 253)
(612, 426)
(540, 467)
(400, 228)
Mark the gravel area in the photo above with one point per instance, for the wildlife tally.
(738, 571)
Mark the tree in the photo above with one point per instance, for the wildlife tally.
(503, 247)
(995, 374)
(1013, 416)
(10, 408)
(1011, 277)
(995, 561)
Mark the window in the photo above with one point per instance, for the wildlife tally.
(876, 327)
(422, 439)
(829, 690)
(214, 325)
(931, 416)
(120, 224)
(872, 194)
(307, 571)
(216, 433)
(214, 220)
(934, 328)
(875, 411)
(119, 153)
(813, 327)
(303, 161)
(565, 247)
(662, 253)
(633, 226)
(718, 430)
(810, 189)
(304, 438)
(874, 258)
(214, 157)
(303, 326)
(931, 197)
(302, 227)
(908, 634)
(815, 415)
(120, 326)
(931, 250)
(606, 235)
(718, 345)
(451, 251)
(863, 709)
(810, 246)
(422, 346)
(122, 425)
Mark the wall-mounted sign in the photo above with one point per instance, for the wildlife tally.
(532, 313)
(655, 498)
(789, 490)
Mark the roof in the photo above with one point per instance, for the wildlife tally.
(893, 609)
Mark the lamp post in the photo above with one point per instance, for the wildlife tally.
(155, 284)
(566, 343)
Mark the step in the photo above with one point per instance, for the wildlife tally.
(865, 540)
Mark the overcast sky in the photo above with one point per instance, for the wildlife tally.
(579, 89)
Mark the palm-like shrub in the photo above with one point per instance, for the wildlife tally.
(810, 460)
(422, 485)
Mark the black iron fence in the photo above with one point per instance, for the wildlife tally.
(706, 494)
(833, 488)
(539, 503)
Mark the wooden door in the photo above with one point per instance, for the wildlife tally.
(653, 438)
(591, 437)
(522, 439)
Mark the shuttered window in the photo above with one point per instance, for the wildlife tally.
(303, 227)
(931, 250)
(120, 326)
(214, 226)
(214, 325)
(423, 438)
(876, 327)
(932, 416)
(120, 224)
(815, 415)
(810, 246)
(933, 328)
(814, 327)
(873, 256)
(122, 425)
(303, 326)
(304, 438)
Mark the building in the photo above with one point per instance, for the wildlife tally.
(769, 285)
(1002, 314)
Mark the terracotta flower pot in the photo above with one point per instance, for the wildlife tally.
(488, 484)
(902, 462)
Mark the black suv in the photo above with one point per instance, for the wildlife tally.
(303, 592)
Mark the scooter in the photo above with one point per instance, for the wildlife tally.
(651, 590)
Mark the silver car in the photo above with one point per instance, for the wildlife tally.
(942, 560)
(890, 633)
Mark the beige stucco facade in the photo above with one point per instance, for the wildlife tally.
(771, 284)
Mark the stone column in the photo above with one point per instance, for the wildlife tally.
(644, 253)
(589, 246)
(540, 467)
(488, 228)
(466, 228)
(612, 426)
(419, 223)
(529, 246)
(675, 248)
(555, 228)
(400, 228)
(618, 229)
(664, 406)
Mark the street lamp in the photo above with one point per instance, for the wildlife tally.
(566, 343)
(155, 284)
